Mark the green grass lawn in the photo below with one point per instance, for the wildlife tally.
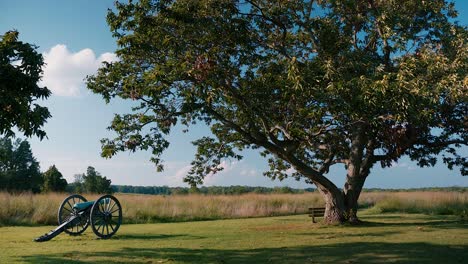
(398, 238)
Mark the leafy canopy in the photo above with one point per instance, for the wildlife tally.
(92, 182)
(310, 83)
(53, 180)
(20, 71)
(19, 170)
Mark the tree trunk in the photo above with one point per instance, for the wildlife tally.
(334, 206)
(354, 178)
(334, 198)
(352, 191)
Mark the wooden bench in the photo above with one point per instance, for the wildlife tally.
(316, 212)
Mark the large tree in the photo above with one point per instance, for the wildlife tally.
(53, 181)
(19, 170)
(92, 182)
(20, 72)
(312, 84)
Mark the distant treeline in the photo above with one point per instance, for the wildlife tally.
(20, 172)
(213, 190)
(422, 189)
(237, 189)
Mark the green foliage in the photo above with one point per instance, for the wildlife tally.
(160, 190)
(53, 181)
(19, 170)
(310, 83)
(92, 182)
(20, 71)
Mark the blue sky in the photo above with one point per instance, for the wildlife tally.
(75, 39)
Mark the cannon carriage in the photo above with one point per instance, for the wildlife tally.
(75, 214)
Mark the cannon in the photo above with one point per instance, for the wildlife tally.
(75, 214)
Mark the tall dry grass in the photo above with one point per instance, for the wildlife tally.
(427, 202)
(142, 208)
(34, 209)
(28, 208)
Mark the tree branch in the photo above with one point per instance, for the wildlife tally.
(327, 163)
(368, 161)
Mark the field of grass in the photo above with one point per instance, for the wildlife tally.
(41, 209)
(33, 209)
(426, 202)
(388, 238)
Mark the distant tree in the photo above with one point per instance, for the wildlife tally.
(284, 189)
(77, 185)
(93, 182)
(312, 84)
(180, 191)
(194, 189)
(20, 71)
(19, 170)
(208, 190)
(53, 181)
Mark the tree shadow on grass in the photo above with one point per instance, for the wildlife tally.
(439, 224)
(433, 221)
(380, 216)
(154, 236)
(409, 217)
(360, 252)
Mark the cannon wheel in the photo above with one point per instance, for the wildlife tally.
(106, 216)
(66, 210)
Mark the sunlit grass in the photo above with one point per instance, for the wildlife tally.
(387, 238)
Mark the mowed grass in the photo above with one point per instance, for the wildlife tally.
(387, 238)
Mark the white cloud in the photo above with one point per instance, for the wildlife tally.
(403, 165)
(228, 167)
(178, 178)
(64, 71)
(290, 171)
(248, 172)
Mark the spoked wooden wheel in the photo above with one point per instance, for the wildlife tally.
(66, 210)
(106, 216)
